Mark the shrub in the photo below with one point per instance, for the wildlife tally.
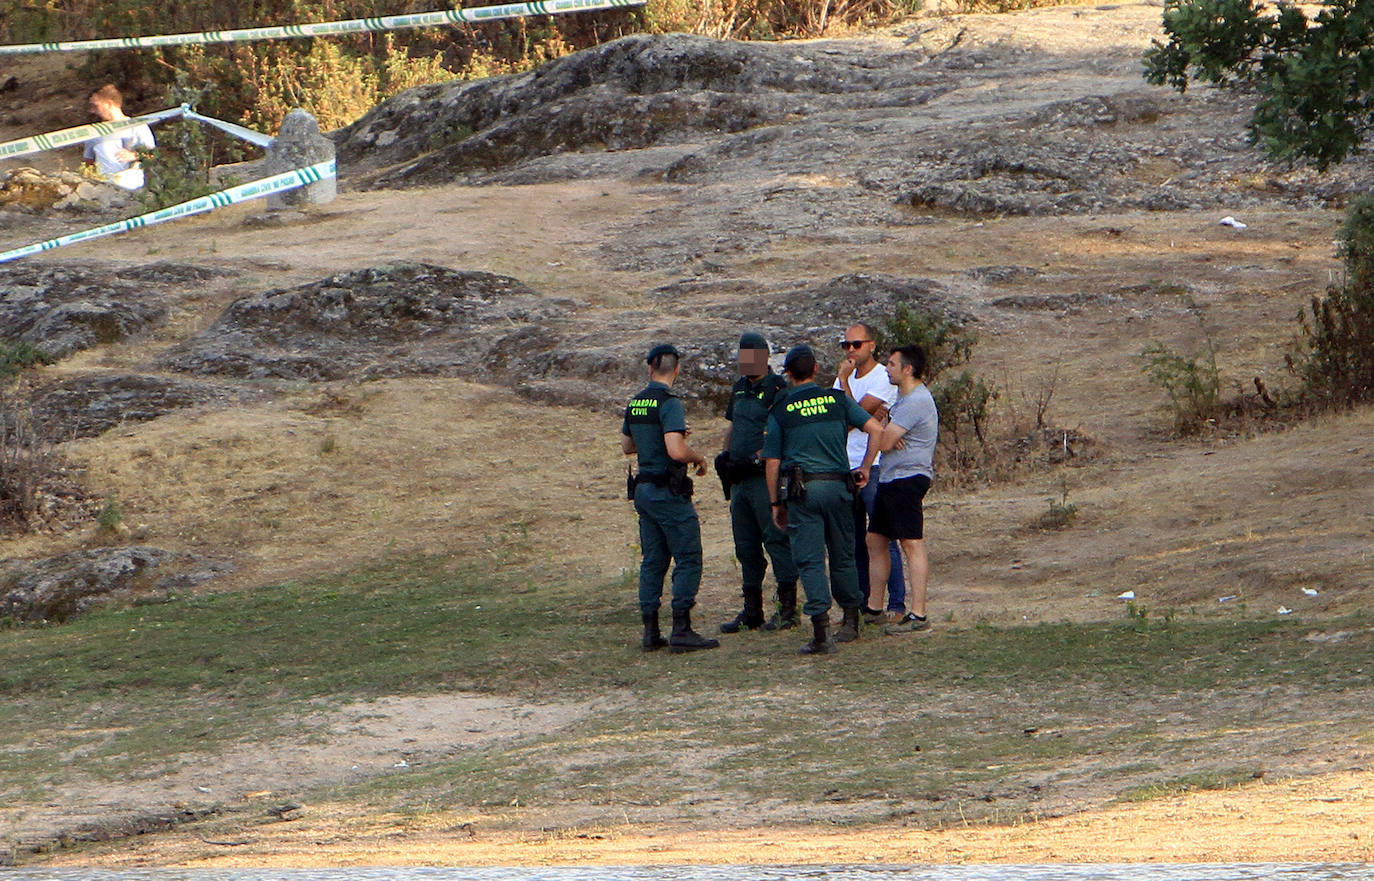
(17, 356)
(947, 342)
(26, 463)
(111, 515)
(336, 79)
(1191, 381)
(769, 19)
(998, 6)
(985, 435)
(963, 399)
(179, 168)
(1061, 514)
(1334, 351)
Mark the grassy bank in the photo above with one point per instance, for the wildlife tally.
(981, 722)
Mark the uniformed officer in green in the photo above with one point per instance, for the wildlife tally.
(806, 442)
(655, 430)
(751, 520)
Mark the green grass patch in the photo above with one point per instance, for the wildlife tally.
(125, 692)
(1224, 779)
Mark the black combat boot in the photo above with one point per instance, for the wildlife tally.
(786, 615)
(752, 616)
(820, 643)
(653, 638)
(684, 638)
(849, 626)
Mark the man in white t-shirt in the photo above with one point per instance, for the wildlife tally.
(114, 156)
(864, 379)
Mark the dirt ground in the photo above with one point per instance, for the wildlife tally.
(318, 479)
(1322, 819)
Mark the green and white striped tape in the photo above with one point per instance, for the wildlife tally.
(321, 29)
(77, 134)
(242, 193)
(238, 131)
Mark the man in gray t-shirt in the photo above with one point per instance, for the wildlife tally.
(916, 414)
(908, 452)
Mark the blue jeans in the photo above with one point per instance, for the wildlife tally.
(896, 581)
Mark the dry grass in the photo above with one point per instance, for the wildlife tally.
(328, 479)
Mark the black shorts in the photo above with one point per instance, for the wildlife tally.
(897, 508)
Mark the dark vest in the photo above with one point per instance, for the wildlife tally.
(643, 423)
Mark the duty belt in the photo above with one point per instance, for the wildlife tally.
(837, 476)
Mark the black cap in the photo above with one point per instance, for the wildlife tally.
(751, 340)
(794, 353)
(660, 350)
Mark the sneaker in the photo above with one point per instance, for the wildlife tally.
(909, 623)
(872, 616)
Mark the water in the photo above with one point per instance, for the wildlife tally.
(1132, 872)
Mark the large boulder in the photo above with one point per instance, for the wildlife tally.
(63, 309)
(395, 320)
(36, 192)
(59, 588)
(630, 93)
(86, 406)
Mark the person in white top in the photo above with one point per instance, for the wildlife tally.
(863, 378)
(114, 156)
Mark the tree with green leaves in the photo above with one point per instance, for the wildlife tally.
(1314, 78)
(1314, 81)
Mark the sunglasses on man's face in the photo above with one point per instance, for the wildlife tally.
(853, 344)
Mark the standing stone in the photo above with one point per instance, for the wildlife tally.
(299, 144)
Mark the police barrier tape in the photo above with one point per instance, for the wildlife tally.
(242, 193)
(78, 134)
(238, 131)
(357, 25)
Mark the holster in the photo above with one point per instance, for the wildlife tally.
(725, 473)
(734, 471)
(793, 487)
(631, 481)
(679, 484)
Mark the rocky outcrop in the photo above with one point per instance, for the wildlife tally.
(396, 320)
(63, 309)
(411, 318)
(86, 406)
(177, 275)
(57, 589)
(635, 92)
(33, 191)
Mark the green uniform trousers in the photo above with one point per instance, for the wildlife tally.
(751, 523)
(668, 530)
(821, 528)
